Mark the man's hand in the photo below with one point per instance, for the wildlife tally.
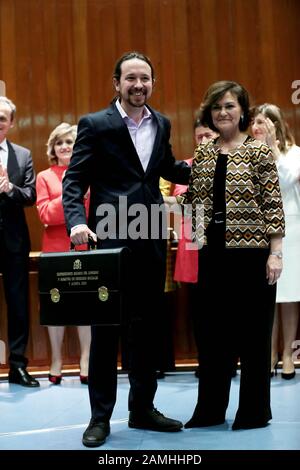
(81, 233)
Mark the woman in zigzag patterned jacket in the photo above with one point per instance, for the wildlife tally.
(234, 179)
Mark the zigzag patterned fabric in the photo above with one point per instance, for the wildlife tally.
(253, 200)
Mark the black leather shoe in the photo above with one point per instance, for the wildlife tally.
(20, 376)
(200, 419)
(160, 374)
(153, 420)
(95, 434)
(238, 425)
(196, 422)
(288, 375)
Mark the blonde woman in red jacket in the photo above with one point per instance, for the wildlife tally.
(55, 237)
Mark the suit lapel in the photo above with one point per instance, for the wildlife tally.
(157, 141)
(12, 163)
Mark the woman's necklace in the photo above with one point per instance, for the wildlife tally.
(230, 145)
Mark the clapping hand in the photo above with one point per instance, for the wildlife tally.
(4, 181)
(271, 139)
(271, 133)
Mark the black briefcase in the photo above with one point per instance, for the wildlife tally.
(83, 287)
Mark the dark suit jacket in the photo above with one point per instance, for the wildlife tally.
(105, 159)
(21, 175)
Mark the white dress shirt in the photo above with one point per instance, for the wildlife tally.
(142, 134)
(3, 160)
(3, 153)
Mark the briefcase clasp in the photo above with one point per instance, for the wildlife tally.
(103, 293)
(55, 295)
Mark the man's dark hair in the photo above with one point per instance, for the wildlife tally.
(129, 56)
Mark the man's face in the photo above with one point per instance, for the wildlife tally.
(135, 85)
(204, 134)
(5, 120)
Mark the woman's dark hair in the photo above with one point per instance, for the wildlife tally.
(283, 133)
(215, 92)
(129, 56)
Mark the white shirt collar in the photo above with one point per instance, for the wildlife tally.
(4, 153)
(146, 112)
(4, 145)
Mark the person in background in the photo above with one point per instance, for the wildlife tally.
(202, 133)
(186, 266)
(269, 126)
(55, 236)
(165, 349)
(120, 153)
(186, 263)
(238, 222)
(17, 190)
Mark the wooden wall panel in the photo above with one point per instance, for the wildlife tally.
(166, 81)
(182, 72)
(153, 45)
(122, 15)
(60, 56)
(81, 57)
(57, 59)
(64, 69)
(7, 37)
(102, 50)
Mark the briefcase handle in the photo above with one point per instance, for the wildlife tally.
(92, 245)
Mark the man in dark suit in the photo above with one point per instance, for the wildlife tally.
(17, 189)
(120, 153)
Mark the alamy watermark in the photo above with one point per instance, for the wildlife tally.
(296, 345)
(124, 221)
(296, 94)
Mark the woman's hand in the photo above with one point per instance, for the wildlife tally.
(271, 133)
(271, 140)
(274, 269)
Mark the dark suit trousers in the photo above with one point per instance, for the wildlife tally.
(145, 291)
(234, 319)
(14, 267)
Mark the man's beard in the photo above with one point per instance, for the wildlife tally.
(137, 104)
